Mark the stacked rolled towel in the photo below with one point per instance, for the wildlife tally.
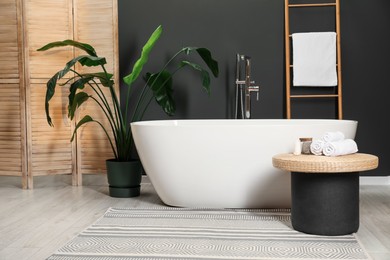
(342, 147)
(333, 136)
(316, 146)
(333, 144)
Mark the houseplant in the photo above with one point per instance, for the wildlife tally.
(157, 85)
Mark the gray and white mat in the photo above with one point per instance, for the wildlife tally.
(166, 233)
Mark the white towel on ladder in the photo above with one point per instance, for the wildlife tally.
(314, 59)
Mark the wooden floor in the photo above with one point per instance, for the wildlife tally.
(34, 223)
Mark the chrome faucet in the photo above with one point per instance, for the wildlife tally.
(244, 88)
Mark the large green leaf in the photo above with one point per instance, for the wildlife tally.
(78, 99)
(52, 83)
(137, 68)
(83, 59)
(105, 78)
(87, 119)
(161, 85)
(78, 84)
(205, 54)
(205, 75)
(83, 46)
(92, 61)
(50, 90)
(84, 120)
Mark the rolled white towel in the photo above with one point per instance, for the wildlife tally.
(347, 146)
(317, 146)
(333, 136)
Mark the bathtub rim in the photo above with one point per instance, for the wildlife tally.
(238, 122)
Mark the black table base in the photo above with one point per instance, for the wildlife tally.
(325, 203)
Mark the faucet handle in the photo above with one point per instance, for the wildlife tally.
(256, 89)
(243, 82)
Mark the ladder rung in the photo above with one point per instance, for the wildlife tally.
(314, 96)
(312, 5)
(293, 65)
(290, 35)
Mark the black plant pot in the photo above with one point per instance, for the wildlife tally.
(124, 178)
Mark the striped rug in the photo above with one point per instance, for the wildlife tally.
(188, 234)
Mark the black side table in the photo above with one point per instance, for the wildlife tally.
(325, 191)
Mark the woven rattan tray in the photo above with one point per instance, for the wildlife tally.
(323, 164)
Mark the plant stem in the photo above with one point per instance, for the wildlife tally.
(105, 112)
(122, 127)
(100, 93)
(114, 98)
(109, 139)
(113, 120)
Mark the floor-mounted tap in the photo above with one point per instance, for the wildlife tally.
(244, 88)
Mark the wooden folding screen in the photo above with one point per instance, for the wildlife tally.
(93, 148)
(49, 149)
(28, 145)
(289, 66)
(12, 95)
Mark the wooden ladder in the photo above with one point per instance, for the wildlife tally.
(289, 66)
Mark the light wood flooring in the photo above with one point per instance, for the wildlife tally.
(35, 223)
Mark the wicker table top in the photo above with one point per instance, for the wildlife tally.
(323, 164)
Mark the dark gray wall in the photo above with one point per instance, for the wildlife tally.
(256, 28)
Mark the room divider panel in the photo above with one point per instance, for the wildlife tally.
(12, 95)
(35, 147)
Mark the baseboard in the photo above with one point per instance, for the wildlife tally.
(375, 180)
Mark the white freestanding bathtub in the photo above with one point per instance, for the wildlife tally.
(224, 163)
